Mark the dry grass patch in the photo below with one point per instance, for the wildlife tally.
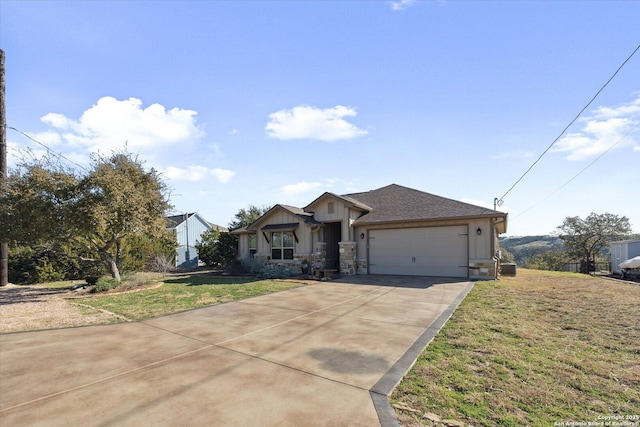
(539, 348)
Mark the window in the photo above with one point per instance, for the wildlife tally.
(330, 208)
(253, 245)
(282, 245)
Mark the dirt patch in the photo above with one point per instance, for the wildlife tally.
(28, 308)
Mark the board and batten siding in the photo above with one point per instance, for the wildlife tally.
(281, 216)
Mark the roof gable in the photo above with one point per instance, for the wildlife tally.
(395, 203)
(346, 199)
(297, 212)
(175, 220)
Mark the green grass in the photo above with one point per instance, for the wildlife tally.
(184, 293)
(533, 350)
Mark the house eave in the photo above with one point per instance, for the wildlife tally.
(362, 222)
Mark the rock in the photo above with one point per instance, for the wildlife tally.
(453, 423)
(404, 407)
(431, 417)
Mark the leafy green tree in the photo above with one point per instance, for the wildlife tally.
(248, 216)
(585, 238)
(49, 261)
(506, 256)
(554, 260)
(139, 252)
(216, 248)
(206, 248)
(94, 211)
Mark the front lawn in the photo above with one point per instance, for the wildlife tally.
(184, 293)
(537, 349)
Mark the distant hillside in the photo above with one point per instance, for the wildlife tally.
(524, 247)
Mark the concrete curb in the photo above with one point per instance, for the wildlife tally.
(385, 386)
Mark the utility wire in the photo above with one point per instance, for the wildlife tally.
(579, 173)
(49, 150)
(501, 199)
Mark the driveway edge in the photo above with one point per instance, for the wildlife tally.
(385, 386)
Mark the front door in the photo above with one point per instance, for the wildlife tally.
(332, 236)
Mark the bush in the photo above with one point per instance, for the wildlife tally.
(92, 280)
(106, 283)
(275, 273)
(251, 265)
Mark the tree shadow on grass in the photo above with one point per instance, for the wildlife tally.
(27, 294)
(208, 280)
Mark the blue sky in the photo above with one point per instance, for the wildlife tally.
(241, 103)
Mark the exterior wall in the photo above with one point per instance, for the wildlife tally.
(483, 269)
(622, 251)
(319, 257)
(481, 247)
(341, 212)
(195, 225)
(348, 263)
(302, 248)
(243, 245)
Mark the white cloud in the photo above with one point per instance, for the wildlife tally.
(110, 123)
(223, 175)
(47, 137)
(300, 188)
(197, 173)
(306, 122)
(402, 4)
(604, 128)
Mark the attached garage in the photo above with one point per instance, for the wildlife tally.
(392, 230)
(424, 251)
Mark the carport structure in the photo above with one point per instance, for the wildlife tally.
(325, 354)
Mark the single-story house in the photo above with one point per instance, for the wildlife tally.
(622, 251)
(188, 229)
(392, 230)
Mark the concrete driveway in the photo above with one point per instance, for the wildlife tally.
(326, 354)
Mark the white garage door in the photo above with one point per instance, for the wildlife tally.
(428, 251)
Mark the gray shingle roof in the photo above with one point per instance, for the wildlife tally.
(347, 199)
(395, 203)
(174, 220)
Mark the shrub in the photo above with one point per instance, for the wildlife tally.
(106, 283)
(92, 280)
(275, 273)
(251, 265)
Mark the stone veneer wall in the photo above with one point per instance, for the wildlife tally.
(483, 268)
(347, 258)
(361, 266)
(319, 257)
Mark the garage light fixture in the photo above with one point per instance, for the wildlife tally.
(479, 231)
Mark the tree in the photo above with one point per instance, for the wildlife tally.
(115, 198)
(585, 238)
(217, 248)
(206, 248)
(246, 217)
(554, 260)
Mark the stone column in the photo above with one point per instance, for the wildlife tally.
(319, 257)
(347, 258)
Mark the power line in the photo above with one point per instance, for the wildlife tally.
(49, 150)
(501, 199)
(579, 173)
